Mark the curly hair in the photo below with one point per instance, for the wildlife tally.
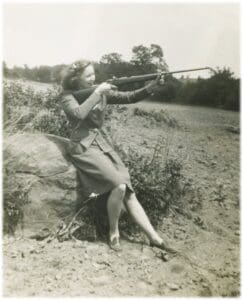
(70, 77)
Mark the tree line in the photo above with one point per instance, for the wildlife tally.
(220, 90)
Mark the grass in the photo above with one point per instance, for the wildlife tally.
(28, 110)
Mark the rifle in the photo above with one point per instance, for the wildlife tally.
(82, 95)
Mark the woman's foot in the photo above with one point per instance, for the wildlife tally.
(164, 246)
(114, 244)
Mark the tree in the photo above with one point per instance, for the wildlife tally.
(111, 58)
(141, 56)
(44, 74)
(27, 72)
(221, 90)
(56, 73)
(112, 65)
(5, 70)
(158, 57)
(16, 72)
(224, 89)
(148, 59)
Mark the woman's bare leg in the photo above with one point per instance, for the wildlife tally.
(138, 214)
(114, 206)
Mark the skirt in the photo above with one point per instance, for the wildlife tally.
(100, 172)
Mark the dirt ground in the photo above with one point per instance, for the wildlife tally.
(207, 142)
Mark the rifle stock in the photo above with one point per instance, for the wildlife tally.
(83, 94)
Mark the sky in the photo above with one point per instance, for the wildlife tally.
(191, 35)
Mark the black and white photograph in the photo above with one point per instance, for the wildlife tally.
(121, 149)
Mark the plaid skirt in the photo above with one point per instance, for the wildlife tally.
(100, 172)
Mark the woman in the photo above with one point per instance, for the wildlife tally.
(99, 167)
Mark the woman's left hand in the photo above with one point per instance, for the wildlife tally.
(155, 85)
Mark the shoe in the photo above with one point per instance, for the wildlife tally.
(164, 246)
(115, 244)
(41, 235)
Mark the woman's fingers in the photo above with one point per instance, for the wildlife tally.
(105, 87)
(113, 87)
(160, 80)
(157, 80)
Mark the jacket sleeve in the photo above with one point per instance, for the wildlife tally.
(116, 97)
(75, 110)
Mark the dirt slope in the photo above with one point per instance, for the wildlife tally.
(207, 142)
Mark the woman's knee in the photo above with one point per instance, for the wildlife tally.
(130, 197)
(121, 189)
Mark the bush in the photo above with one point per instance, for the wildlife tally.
(159, 184)
(159, 188)
(15, 195)
(156, 117)
(27, 110)
(220, 90)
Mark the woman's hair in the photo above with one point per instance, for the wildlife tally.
(70, 77)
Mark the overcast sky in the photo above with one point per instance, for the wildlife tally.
(191, 35)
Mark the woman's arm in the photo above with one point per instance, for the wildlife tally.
(75, 110)
(80, 111)
(116, 97)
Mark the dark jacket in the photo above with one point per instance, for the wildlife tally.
(86, 119)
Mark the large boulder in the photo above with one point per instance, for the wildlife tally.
(40, 165)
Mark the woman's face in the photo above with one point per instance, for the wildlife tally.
(87, 78)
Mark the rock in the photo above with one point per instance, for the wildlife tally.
(205, 285)
(78, 244)
(32, 250)
(233, 129)
(48, 279)
(95, 265)
(173, 286)
(39, 163)
(237, 232)
(101, 280)
(58, 276)
(164, 256)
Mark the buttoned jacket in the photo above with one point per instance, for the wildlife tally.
(86, 119)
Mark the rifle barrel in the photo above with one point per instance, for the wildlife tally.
(147, 77)
(188, 70)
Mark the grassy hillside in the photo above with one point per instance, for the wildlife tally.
(190, 155)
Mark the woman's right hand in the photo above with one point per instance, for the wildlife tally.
(105, 87)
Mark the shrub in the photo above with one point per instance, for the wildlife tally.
(156, 116)
(28, 110)
(157, 183)
(15, 195)
(159, 186)
(221, 90)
